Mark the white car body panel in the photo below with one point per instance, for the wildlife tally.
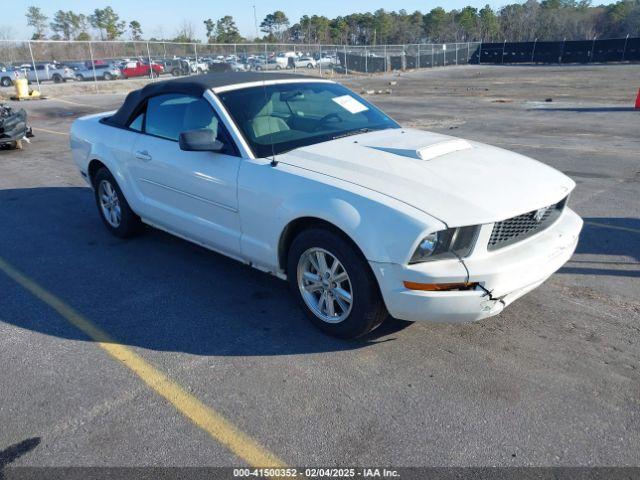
(388, 162)
(386, 190)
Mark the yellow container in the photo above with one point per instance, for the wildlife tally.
(22, 87)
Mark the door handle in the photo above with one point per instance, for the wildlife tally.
(143, 155)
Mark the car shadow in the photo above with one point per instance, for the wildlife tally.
(616, 237)
(154, 291)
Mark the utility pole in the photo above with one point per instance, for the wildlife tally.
(255, 20)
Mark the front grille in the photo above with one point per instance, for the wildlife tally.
(523, 226)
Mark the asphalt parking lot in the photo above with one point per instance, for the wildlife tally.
(553, 381)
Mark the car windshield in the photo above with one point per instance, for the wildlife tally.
(281, 117)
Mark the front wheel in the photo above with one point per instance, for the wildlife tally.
(107, 76)
(114, 210)
(334, 284)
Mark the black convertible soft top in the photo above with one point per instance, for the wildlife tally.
(194, 85)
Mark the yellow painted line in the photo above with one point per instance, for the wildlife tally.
(219, 428)
(613, 227)
(38, 129)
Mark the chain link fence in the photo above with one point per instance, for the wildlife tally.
(45, 62)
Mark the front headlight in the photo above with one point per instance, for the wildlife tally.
(449, 243)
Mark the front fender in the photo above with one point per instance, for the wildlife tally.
(270, 198)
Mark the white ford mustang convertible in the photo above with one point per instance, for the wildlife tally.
(304, 179)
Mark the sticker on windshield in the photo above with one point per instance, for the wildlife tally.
(350, 104)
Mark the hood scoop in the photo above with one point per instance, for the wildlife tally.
(429, 152)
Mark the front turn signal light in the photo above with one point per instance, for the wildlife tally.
(440, 287)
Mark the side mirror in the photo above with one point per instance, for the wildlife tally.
(203, 140)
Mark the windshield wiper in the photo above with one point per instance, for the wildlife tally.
(353, 132)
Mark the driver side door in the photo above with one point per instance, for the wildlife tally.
(191, 194)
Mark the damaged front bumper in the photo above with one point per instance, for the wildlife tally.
(501, 277)
(13, 125)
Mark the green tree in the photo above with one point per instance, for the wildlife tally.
(135, 30)
(65, 25)
(435, 23)
(275, 25)
(467, 19)
(37, 20)
(489, 24)
(108, 23)
(210, 26)
(226, 31)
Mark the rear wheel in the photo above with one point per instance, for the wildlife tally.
(5, 82)
(114, 210)
(334, 284)
(57, 79)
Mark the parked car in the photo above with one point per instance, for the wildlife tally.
(260, 64)
(326, 60)
(141, 69)
(316, 185)
(177, 67)
(305, 62)
(238, 67)
(199, 66)
(102, 72)
(47, 71)
(7, 75)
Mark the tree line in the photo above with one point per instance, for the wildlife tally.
(533, 19)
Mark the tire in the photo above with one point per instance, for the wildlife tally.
(175, 72)
(79, 78)
(309, 65)
(129, 223)
(57, 79)
(107, 76)
(278, 67)
(363, 313)
(5, 82)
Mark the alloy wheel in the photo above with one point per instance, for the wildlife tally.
(109, 203)
(324, 285)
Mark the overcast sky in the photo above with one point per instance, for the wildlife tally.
(162, 17)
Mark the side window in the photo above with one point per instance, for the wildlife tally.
(166, 114)
(169, 115)
(137, 123)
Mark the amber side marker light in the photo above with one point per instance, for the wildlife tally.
(440, 287)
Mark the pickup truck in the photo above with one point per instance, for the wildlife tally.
(47, 71)
(140, 69)
(7, 75)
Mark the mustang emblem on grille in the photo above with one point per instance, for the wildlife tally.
(538, 215)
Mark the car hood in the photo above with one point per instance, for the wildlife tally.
(457, 181)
